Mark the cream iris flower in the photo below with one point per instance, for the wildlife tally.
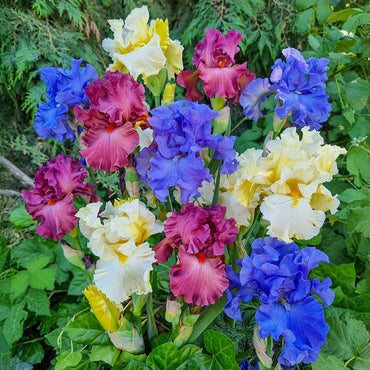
(141, 50)
(118, 237)
(288, 183)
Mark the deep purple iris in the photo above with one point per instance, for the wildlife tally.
(181, 130)
(65, 88)
(299, 84)
(277, 273)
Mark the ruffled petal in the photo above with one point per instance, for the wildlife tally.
(189, 80)
(291, 217)
(118, 279)
(200, 281)
(174, 58)
(300, 323)
(108, 151)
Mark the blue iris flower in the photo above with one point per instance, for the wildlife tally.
(64, 88)
(181, 131)
(277, 273)
(300, 86)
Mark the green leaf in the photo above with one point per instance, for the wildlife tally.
(328, 362)
(363, 359)
(359, 220)
(357, 160)
(43, 279)
(68, 359)
(38, 302)
(106, 353)
(221, 348)
(87, 330)
(323, 11)
(187, 352)
(78, 283)
(38, 263)
(164, 357)
(343, 275)
(303, 21)
(13, 324)
(29, 250)
(314, 42)
(345, 339)
(19, 283)
(20, 217)
(349, 115)
(357, 93)
(32, 353)
(304, 4)
(206, 317)
(5, 352)
(343, 15)
(17, 364)
(356, 21)
(136, 365)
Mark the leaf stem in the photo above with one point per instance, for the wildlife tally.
(238, 124)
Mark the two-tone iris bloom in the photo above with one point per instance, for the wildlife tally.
(288, 183)
(141, 50)
(117, 236)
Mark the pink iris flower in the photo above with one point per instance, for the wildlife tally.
(116, 105)
(200, 235)
(51, 201)
(216, 68)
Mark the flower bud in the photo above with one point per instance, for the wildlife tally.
(127, 338)
(221, 121)
(106, 312)
(169, 94)
(73, 256)
(173, 311)
(260, 346)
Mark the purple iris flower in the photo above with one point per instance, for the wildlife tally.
(277, 273)
(64, 88)
(181, 131)
(299, 84)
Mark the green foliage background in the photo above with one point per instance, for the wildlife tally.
(41, 292)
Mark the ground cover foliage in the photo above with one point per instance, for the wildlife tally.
(45, 319)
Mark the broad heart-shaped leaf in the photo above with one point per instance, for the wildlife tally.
(135, 365)
(221, 351)
(43, 279)
(106, 353)
(32, 353)
(328, 362)
(19, 283)
(87, 330)
(168, 356)
(78, 283)
(20, 217)
(38, 302)
(164, 357)
(357, 162)
(68, 360)
(29, 250)
(5, 352)
(13, 324)
(346, 339)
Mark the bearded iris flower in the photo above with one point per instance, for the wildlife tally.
(114, 122)
(141, 50)
(200, 235)
(277, 273)
(65, 88)
(289, 182)
(117, 236)
(51, 201)
(181, 130)
(214, 60)
(299, 84)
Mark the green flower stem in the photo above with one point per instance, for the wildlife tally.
(255, 221)
(339, 94)
(238, 124)
(151, 325)
(77, 243)
(157, 100)
(217, 188)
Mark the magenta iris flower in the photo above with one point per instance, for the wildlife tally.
(200, 235)
(277, 273)
(299, 84)
(181, 130)
(214, 60)
(51, 201)
(116, 105)
(64, 88)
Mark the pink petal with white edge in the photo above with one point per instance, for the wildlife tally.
(198, 279)
(108, 151)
